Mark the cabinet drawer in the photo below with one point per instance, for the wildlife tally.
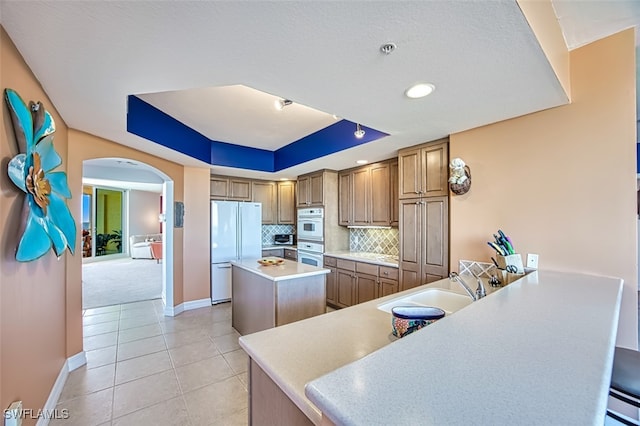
(273, 252)
(387, 272)
(367, 268)
(348, 265)
(330, 261)
(290, 254)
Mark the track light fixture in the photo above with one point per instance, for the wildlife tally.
(359, 133)
(281, 103)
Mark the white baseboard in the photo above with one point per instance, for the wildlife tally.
(70, 364)
(76, 361)
(172, 311)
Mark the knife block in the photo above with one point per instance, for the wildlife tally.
(511, 260)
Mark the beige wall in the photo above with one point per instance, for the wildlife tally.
(562, 182)
(32, 295)
(196, 234)
(41, 301)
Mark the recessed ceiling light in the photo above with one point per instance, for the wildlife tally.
(362, 162)
(283, 179)
(419, 90)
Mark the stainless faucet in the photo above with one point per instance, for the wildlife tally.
(480, 291)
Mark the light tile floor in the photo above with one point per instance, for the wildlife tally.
(147, 369)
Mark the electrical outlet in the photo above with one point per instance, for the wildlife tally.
(13, 415)
(532, 261)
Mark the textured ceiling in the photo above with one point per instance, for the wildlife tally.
(90, 56)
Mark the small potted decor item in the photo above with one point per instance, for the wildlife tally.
(460, 177)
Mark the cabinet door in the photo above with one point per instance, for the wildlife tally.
(291, 254)
(273, 252)
(286, 203)
(410, 259)
(361, 194)
(435, 160)
(435, 238)
(366, 287)
(393, 193)
(345, 281)
(409, 173)
(387, 287)
(332, 290)
(380, 194)
(218, 187)
(345, 206)
(316, 194)
(265, 193)
(303, 188)
(239, 189)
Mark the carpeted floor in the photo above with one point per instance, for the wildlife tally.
(113, 282)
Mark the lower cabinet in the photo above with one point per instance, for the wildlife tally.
(273, 252)
(291, 254)
(351, 282)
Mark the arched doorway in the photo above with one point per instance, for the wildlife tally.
(125, 200)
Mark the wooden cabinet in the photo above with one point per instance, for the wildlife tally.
(286, 210)
(345, 205)
(366, 196)
(273, 252)
(423, 170)
(230, 188)
(351, 282)
(265, 192)
(291, 254)
(424, 241)
(310, 190)
(394, 201)
(332, 288)
(277, 198)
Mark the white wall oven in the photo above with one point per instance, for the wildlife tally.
(310, 253)
(311, 224)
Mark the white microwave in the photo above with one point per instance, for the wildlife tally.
(311, 224)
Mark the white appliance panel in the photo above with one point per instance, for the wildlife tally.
(250, 230)
(236, 232)
(221, 277)
(224, 231)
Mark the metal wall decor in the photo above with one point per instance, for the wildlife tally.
(49, 222)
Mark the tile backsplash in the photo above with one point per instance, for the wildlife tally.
(383, 241)
(268, 231)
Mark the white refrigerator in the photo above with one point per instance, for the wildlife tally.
(236, 233)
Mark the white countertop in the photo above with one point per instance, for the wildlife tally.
(537, 352)
(280, 246)
(286, 271)
(359, 256)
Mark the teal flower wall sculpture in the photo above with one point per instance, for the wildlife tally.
(49, 221)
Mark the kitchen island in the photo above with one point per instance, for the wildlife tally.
(538, 351)
(274, 295)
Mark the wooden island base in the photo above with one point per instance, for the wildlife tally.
(260, 302)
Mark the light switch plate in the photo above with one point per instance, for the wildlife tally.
(532, 261)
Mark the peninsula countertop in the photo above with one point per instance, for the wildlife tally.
(285, 271)
(538, 333)
(538, 352)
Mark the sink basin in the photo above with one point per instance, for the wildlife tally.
(446, 300)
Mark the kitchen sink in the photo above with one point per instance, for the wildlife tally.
(446, 300)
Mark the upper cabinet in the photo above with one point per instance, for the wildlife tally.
(423, 170)
(286, 202)
(368, 195)
(310, 189)
(230, 188)
(277, 198)
(265, 192)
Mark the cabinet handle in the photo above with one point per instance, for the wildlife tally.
(385, 273)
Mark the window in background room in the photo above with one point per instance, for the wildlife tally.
(109, 221)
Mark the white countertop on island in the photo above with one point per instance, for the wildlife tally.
(287, 270)
(537, 352)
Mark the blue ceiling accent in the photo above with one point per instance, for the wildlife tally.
(149, 122)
